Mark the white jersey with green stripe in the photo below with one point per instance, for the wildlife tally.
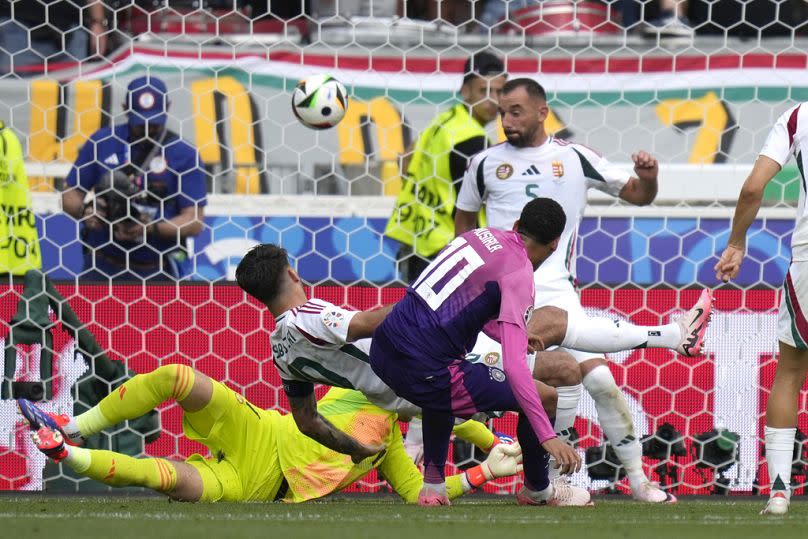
(504, 178)
(788, 137)
(309, 344)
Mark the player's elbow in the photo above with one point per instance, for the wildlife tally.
(645, 196)
(751, 193)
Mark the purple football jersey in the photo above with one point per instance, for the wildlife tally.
(482, 279)
(481, 276)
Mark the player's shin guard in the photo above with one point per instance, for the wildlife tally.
(118, 470)
(616, 421)
(137, 396)
(779, 453)
(535, 459)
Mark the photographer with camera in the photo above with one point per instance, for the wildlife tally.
(146, 188)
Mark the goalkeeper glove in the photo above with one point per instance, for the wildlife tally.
(502, 461)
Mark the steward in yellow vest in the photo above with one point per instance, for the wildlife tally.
(423, 217)
(19, 241)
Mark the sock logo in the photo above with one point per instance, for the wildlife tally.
(778, 484)
(111, 472)
(627, 440)
(121, 391)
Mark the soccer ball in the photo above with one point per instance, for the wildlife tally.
(319, 101)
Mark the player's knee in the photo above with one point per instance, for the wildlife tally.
(557, 368)
(569, 372)
(189, 486)
(549, 323)
(175, 380)
(599, 381)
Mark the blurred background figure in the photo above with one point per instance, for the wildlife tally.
(36, 33)
(423, 217)
(19, 241)
(671, 20)
(149, 192)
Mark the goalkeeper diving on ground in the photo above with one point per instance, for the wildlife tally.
(255, 454)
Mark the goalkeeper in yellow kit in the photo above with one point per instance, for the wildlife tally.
(255, 454)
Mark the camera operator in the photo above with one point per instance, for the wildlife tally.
(148, 192)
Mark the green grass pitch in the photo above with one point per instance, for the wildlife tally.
(120, 517)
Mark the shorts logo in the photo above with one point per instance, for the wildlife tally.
(504, 171)
(558, 169)
(496, 374)
(491, 358)
(333, 319)
(528, 314)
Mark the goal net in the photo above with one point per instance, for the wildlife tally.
(700, 92)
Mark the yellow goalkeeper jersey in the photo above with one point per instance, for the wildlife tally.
(313, 471)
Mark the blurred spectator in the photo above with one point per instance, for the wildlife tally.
(456, 12)
(671, 21)
(498, 10)
(19, 241)
(423, 218)
(36, 32)
(149, 189)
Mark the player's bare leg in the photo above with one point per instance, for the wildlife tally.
(781, 425)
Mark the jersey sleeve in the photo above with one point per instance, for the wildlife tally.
(516, 297)
(460, 157)
(472, 188)
(599, 172)
(782, 138)
(324, 323)
(296, 389)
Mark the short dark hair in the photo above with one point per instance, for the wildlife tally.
(259, 272)
(533, 88)
(482, 64)
(542, 220)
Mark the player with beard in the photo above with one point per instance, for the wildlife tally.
(534, 164)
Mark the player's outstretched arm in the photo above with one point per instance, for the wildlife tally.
(746, 210)
(318, 428)
(364, 323)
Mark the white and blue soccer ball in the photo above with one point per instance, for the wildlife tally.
(319, 101)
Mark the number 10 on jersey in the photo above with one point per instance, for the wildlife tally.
(458, 255)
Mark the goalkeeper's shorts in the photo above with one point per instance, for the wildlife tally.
(243, 464)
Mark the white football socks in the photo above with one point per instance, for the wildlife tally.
(779, 455)
(566, 412)
(616, 422)
(591, 334)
